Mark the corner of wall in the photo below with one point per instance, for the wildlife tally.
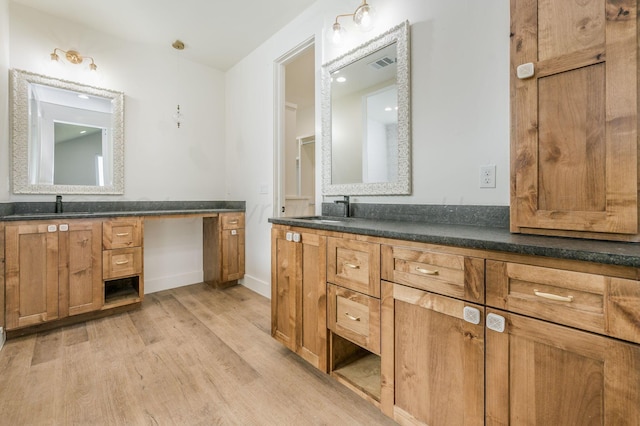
(261, 287)
(4, 100)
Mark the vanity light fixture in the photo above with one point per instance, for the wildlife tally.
(363, 17)
(74, 57)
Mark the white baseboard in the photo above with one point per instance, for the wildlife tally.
(173, 281)
(263, 288)
(153, 285)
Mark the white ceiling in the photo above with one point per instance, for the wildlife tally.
(217, 33)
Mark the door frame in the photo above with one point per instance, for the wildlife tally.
(279, 79)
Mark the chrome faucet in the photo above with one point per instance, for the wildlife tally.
(347, 206)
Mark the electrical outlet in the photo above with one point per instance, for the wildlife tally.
(488, 176)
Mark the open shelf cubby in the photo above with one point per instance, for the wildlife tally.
(355, 367)
(121, 291)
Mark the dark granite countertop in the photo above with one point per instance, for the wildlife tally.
(88, 210)
(497, 238)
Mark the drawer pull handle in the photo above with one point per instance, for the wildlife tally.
(427, 271)
(351, 317)
(551, 296)
(122, 262)
(233, 222)
(122, 234)
(352, 266)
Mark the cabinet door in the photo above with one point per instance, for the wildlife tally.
(31, 274)
(80, 258)
(232, 255)
(312, 321)
(540, 373)
(298, 294)
(432, 359)
(574, 122)
(285, 258)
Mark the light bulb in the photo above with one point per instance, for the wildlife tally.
(364, 17)
(337, 33)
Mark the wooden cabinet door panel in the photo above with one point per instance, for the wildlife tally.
(540, 373)
(284, 277)
(232, 255)
(31, 274)
(80, 257)
(298, 294)
(574, 132)
(432, 359)
(312, 320)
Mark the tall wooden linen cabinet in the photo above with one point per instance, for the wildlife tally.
(574, 118)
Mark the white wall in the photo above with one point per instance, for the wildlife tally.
(162, 162)
(460, 107)
(4, 101)
(460, 110)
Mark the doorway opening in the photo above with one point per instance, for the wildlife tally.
(295, 180)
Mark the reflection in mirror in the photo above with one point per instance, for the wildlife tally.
(77, 154)
(67, 137)
(366, 118)
(365, 92)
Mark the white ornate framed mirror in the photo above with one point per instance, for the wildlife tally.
(366, 140)
(67, 137)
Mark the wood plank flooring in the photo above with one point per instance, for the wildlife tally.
(190, 356)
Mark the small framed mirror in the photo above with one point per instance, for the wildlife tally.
(366, 118)
(67, 138)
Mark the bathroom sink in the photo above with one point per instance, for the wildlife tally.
(319, 219)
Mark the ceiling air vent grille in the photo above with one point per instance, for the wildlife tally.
(382, 62)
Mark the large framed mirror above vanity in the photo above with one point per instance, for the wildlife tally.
(366, 114)
(67, 137)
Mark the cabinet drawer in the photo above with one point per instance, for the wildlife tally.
(354, 316)
(592, 302)
(354, 265)
(121, 233)
(121, 262)
(232, 220)
(443, 273)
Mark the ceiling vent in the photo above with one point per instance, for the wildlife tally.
(382, 62)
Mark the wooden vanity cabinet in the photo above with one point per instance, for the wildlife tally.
(353, 304)
(223, 248)
(456, 336)
(432, 343)
(298, 292)
(122, 261)
(574, 136)
(53, 270)
(567, 351)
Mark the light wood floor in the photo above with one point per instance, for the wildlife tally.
(189, 356)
